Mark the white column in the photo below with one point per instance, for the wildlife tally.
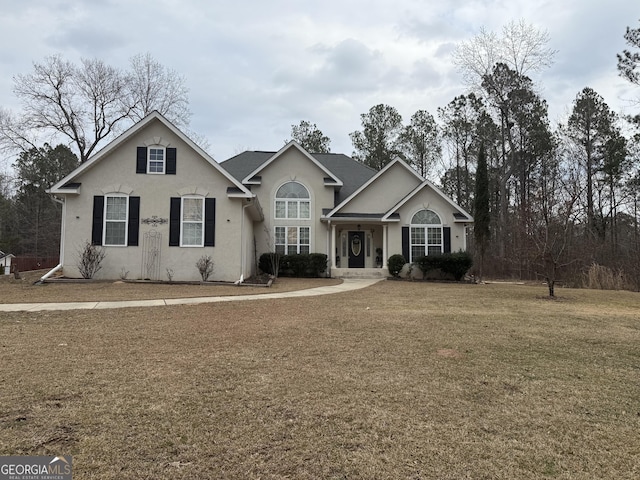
(385, 245)
(332, 250)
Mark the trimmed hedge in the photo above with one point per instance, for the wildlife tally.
(298, 265)
(456, 264)
(395, 264)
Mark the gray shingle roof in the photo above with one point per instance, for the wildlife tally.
(352, 173)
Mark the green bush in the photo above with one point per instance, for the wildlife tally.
(298, 265)
(270, 261)
(317, 264)
(395, 264)
(455, 264)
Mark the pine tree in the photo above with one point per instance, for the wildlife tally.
(481, 231)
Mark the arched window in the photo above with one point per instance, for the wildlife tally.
(426, 234)
(292, 201)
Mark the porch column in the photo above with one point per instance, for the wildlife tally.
(385, 242)
(332, 250)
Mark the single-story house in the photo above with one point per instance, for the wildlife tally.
(5, 261)
(156, 202)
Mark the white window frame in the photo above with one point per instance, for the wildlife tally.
(292, 202)
(425, 229)
(106, 221)
(184, 222)
(162, 163)
(285, 246)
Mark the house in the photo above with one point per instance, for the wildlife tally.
(5, 262)
(157, 203)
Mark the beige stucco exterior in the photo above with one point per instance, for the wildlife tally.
(293, 165)
(373, 218)
(195, 175)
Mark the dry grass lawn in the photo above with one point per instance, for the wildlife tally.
(23, 290)
(399, 380)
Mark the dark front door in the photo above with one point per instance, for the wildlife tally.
(356, 249)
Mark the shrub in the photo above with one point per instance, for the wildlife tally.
(601, 277)
(395, 264)
(297, 265)
(455, 264)
(205, 267)
(458, 264)
(90, 259)
(317, 264)
(270, 263)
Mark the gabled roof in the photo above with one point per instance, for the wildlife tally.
(68, 185)
(249, 178)
(370, 181)
(459, 214)
(347, 174)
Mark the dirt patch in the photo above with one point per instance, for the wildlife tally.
(449, 353)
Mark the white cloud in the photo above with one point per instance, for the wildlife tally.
(256, 68)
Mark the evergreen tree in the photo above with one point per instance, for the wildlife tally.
(310, 137)
(377, 144)
(481, 231)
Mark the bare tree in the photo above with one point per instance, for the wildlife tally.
(551, 230)
(89, 103)
(522, 47)
(154, 87)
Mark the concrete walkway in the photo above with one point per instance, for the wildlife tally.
(346, 286)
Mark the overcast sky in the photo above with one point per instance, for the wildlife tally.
(254, 68)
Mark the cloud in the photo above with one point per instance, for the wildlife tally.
(255, 68)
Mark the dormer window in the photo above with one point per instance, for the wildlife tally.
(156, 160)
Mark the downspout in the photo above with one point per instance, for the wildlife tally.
(243, 256)
(62, 231)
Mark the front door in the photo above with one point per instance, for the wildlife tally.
(356, 249)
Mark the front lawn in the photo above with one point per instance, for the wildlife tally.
(398, 380)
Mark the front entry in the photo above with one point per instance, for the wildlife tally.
(356, 249)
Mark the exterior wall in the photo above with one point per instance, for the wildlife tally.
(248, 244)
(117, 173)
(384, 192)
(292, 165)
(427, 199)
(6, 263)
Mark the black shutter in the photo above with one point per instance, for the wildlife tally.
(96, 227)
(405, 243)
(174, 222)
(209, 221)
(171, 161)
(134, 221)
(141, 160)
(446, 239)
